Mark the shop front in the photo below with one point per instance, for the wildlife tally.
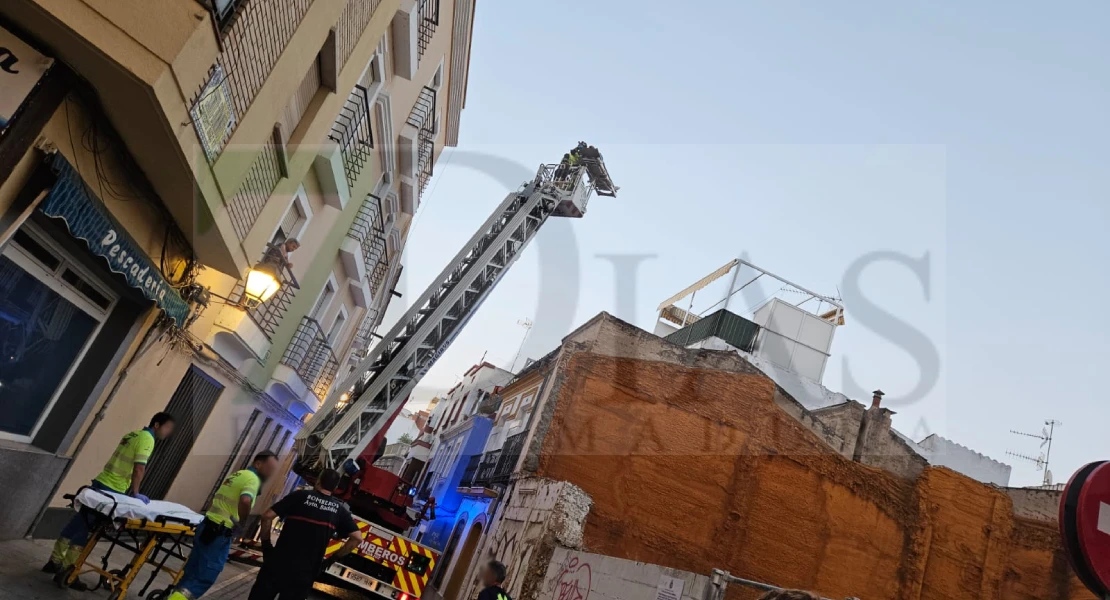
(78, 294)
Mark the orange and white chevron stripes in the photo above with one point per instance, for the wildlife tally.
(397, 553)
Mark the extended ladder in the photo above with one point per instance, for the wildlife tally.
(381, 382)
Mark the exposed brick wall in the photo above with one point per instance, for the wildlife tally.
(699, 468)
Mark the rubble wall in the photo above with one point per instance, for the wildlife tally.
(697, 468)
(539, 516)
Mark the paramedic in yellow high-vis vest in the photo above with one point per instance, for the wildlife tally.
(123, 474)
(212, 541)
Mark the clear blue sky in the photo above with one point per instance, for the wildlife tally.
(808, 135)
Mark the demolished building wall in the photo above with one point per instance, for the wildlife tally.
(692, 463)
(539, 516)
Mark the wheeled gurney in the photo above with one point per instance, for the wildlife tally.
(155, 533)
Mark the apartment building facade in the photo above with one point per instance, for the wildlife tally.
(451, 434)
(195, 139)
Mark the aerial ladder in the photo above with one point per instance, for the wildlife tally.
(349, 429)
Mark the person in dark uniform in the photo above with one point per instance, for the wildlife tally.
(493, 575)
(313, 518)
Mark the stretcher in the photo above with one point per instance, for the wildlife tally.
(154, 533)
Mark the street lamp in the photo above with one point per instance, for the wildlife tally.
(262, 283)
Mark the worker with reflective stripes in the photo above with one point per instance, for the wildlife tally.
(212, 542)
(122, 474)
(493, 575)
(313, 518)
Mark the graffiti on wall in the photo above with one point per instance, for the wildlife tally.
(574, 581)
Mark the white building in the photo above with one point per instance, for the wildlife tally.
(467, 398)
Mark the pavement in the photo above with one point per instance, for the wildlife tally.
(21, 579)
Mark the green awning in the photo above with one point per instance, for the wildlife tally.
(88, 219)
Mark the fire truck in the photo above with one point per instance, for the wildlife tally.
(348, 431)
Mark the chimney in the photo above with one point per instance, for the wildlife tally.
(877, 398)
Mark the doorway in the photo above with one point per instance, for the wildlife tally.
(190, 405)
(448, 552)
(462, 565)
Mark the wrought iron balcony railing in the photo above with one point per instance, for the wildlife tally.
(428, 13)
(369, 230)
(261, 180)
(423, 119)
(486, 467)
(353, 133)
(497, 466)
(253, 35)
(352, 24)
(370, 322)
(270, 313)
(310, 354)
(471, 471)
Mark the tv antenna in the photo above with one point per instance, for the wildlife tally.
(526, 323)
(1043, 458)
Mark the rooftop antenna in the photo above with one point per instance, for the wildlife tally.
(526, 323)
(1042, 459)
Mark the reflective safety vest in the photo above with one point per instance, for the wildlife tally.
(574, 158)
(134, 449)
(225, 504)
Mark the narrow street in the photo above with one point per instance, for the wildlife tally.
(20, 578)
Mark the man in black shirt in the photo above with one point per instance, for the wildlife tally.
(493, 575)
(313, 518)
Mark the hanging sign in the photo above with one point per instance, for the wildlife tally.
(88, 220)
(21, 67)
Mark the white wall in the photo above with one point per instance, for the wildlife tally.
(943, 452)
(574, 574)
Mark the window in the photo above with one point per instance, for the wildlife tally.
(437, 79)
(527, 400)
(509, 410)
(51, 310)
(324, 301)
(298, 103)
(336, 331)
(295, 219)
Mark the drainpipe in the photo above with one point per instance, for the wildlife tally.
(147, 342)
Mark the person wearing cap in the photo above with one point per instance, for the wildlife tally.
(212, 542)
(122, 474)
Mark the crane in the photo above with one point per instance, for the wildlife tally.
(348, 430)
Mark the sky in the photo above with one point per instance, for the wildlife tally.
(942, 167)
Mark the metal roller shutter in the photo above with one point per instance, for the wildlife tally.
(190, 406)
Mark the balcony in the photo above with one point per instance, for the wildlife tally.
(243, 335)
(427, 12)
(310, 356)
(253, 35)
(414, 26)
(269, 314)
(417, 149)
(471, 471)
(352, 24)
(368, 230)
(261, 180)
(352, 133)
(497, 466)
(736, 330)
